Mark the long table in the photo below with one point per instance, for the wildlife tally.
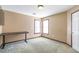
(11, 33)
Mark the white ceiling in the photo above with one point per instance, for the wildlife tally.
(31, 9)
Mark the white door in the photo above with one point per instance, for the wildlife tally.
(75, 31)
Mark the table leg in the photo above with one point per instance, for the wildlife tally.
(3, 43)
(25, 37)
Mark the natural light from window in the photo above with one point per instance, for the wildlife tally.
(45, 26)
(37, 26)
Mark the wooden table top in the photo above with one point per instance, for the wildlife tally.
(11, 33)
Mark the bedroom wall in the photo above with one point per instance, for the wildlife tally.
(1, 16)
(15, 22)
(57, 27)
(69, 12)
(1, 22)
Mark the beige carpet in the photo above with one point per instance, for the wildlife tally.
(37, 45)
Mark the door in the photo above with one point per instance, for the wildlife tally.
(75, 31)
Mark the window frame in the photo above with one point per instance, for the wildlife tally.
(34, 26)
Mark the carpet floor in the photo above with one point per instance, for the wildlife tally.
(37, 45)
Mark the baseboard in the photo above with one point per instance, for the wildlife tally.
(34, 37)
(57, 40)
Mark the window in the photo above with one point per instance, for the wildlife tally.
(45, 26)
(37, 26)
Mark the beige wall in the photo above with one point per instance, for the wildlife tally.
(57, 27)
(75, 8)
(1, 16)
(1, 22)
(15, 22)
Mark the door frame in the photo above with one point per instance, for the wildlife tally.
(71, 25)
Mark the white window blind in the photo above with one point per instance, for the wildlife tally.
(45, 26)
(37, 26)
